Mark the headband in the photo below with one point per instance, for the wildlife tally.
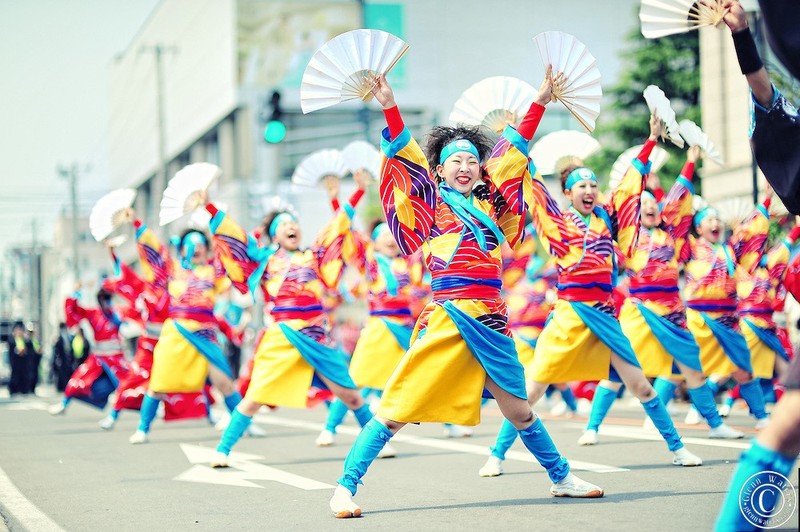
(458, 146)
(702, 214)
(380, 228)
(579, 174)
(278, 220)
(647, 195)
(193, 238)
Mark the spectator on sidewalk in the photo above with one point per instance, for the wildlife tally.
(61, 368)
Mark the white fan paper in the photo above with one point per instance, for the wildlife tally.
(699, 203)
(277, 204)
(576, 78)
(317, 165)
(660, 18)
(658, 157)
(659, 105)
(115, 241)
(734, 210)
(362, 154)
(695, 136)
(494, 103)
(344, 68)
(184, 190)
(549, 149)
(109, 211)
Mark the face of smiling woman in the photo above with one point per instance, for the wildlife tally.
(287, 235)
(460, 171)
(583, 196)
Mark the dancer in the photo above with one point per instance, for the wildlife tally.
(583, 336)
(461, 341)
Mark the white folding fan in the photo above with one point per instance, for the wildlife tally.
(494, 102)
(576, 78)
(109, 212)
(344, 68)
(184, 191)
(733, 210)
(277, 204)
(659, 105)
(360, 154)
(317, 165)
(115, 241)
(658, 157)
(549, 149)
(695, 136)
(660, 18)
(699, 203)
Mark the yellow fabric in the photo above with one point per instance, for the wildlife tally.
(177, 365)
(712, 356)
(567, 350)
(762, 358)
(281, 376)
(376, 355)
(524, 350)
(653, 357)
(438, 380)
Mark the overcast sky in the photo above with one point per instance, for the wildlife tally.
(54, 57)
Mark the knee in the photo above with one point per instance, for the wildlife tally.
(742, 377)
(248, 407)
(352, 399)
(642, 389)
(392, 425)
(226, 387)
(522, 419)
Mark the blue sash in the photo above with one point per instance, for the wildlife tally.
(732, 342)
(329, 362)
(463, 208)
(401, 333)
(769, 338)
(678, 342)
(609, 331)
(385, 268)
(207, 348)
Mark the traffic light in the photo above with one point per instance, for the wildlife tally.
(275, 131)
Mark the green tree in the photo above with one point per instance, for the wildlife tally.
(671, 63)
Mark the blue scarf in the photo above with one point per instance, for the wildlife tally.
(465, 210)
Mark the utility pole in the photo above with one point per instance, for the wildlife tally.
(71, 174)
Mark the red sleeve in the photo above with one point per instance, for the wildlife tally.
(659, 194)
(688, 170)
(531, 121)
(356, 197)
(794, 234)
(212, 210)
(335, 204)
(394, 121)
(767, 202)
(137, 223)
(644, 155)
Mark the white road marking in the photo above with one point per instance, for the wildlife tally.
(23, 510)
(624, 431)
(460, 447)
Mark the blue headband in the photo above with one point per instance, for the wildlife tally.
(702, 214)
(380, 228)
(457, 146)
(646, 194)
(579, 174)
(278, 220)
(188, 243)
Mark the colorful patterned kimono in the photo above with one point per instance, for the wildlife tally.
(188, 339)
(712, 272)
(653, 317)
(462, 335)
(99, 375)
(297, 348)
(577, 342)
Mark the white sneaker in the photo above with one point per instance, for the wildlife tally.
(213, 418)
(387, 452)
(220, 460)
(724, 432)
(138, 437)
(254, 431)
(325, 438)
(724, 410)
(648, 424)
(492, 468)
(57, 409)
(693, 417)
(761, 423)
(573, 486)
(457, 431)
(107, 423)
(589, 437)
(683, 457)
(342, 504)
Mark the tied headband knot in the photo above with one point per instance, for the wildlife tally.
(458, 146)
(277, 221)
(579, 174)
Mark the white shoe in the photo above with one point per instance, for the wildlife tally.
(589, 437)
(387, 452)
(254, 431)
(573, 486)
(220, 460)
(457, 431)
(107, 423)
(138, 437)
(693, 417)
(648, 424)
(683, 457)
(57, 409)
(342, 504)
(213, 418)
(325, 438)
(492, 468)
(761, 423)
(724, 410)
(724, 432)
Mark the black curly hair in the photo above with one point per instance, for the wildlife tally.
(441, 136)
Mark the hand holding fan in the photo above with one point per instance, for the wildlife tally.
(186, 191)
(660, 18)
(110, 212)
(494, 102)
(660, 106)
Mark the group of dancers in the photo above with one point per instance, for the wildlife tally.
(521, 295)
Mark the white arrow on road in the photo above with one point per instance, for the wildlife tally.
(240, 473)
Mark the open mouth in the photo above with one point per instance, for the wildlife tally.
(291, 235)
(463, 180)
(588, 203)
(715, 232)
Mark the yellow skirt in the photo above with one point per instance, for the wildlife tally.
(712, 356)
(177, 365)
(281, 376)
(656, 361)
(438, 380)
(762, 358)
(567, 350)
(376, 356)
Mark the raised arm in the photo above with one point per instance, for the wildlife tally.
(154, 256)
(676, 212)
(749, 239)
(778, 256)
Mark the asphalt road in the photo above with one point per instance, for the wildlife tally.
(66, 473)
